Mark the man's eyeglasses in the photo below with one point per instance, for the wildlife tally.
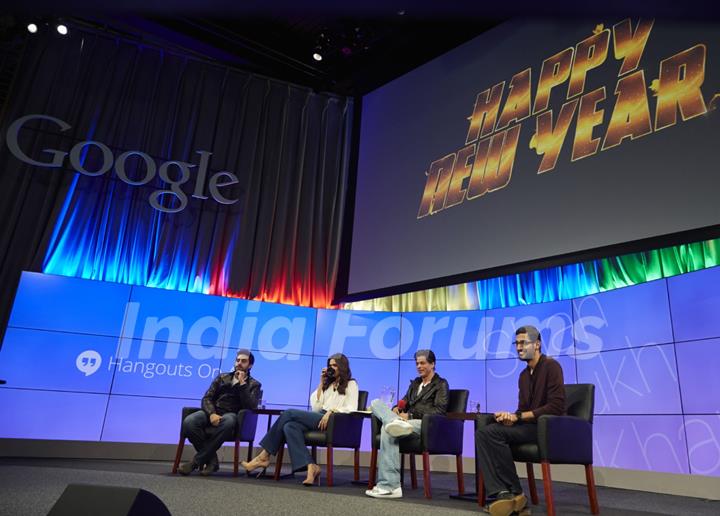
(523, 343)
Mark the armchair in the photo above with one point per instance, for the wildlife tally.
(247, 423)
(343, 431)
(439, 435)
(561, 440)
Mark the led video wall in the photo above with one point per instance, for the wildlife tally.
(94, 361)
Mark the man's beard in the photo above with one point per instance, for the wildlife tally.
(525, 358)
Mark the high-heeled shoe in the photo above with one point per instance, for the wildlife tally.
(315, 478)
(255, 464)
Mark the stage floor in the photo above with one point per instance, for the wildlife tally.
(31, 487)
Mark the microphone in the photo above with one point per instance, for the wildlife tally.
(401, 405)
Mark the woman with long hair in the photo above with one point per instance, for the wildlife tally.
(337, 392)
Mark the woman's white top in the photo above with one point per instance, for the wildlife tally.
(331, 399)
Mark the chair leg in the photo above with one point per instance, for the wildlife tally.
(329, 466)
(373, 468)
(426, 475)
(178, 454)
(313, 452)
(250, 451)
(531, 483)
(480, 481)
(356, 465)
(402, 469)
(236, 457)
(460, 476)
(547, 487)
(592, 493)
(413, 471)
(278, 463)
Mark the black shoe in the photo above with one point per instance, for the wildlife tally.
(211, 467)
(187, 468)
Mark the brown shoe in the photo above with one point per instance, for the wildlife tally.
(503, 507)
(520, 502)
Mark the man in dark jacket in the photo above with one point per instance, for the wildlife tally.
(228, 394)
(541, 391)
(427, 394)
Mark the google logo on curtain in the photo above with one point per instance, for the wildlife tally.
(215, 183)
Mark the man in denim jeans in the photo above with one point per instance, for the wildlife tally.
(427, 394)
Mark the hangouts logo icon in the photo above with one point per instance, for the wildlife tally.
(88, 362)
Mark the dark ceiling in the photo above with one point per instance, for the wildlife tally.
(364, 44)
(359, 53)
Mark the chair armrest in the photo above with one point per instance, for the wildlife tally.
(441, 435)
(565, 439)
(247, 424)
(344, 430)
(375, 427)
(186, 411)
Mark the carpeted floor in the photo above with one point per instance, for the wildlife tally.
(31, 487)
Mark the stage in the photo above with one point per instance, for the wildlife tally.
(31, 487)
(536, 197)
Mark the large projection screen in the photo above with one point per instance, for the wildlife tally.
(537, 143)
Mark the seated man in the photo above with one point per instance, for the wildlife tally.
(541, 391)
(228, 394)
(427, 394)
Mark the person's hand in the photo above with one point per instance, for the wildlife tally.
(215, 419)
(241, 377)
(323, 373)
(396, 410)
(403, 415)
(506, 418)
(322, 425)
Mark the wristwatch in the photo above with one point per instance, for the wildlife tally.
(518, 415)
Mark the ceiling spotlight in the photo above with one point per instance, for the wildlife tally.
(32, 28)
(317, 56)
(62, 29)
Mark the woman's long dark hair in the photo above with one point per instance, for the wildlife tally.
(344, 374)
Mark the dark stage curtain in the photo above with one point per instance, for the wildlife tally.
(288, 146)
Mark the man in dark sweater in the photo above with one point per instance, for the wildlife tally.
(541, 391)
(228, 394)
